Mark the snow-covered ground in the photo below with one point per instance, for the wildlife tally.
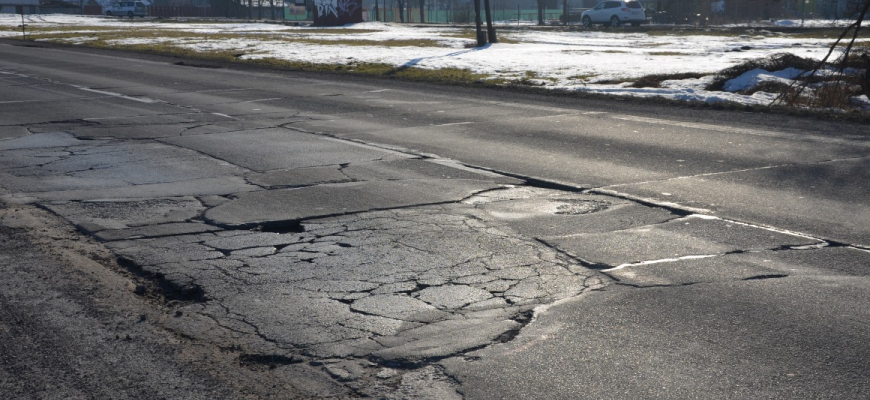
(593, 61)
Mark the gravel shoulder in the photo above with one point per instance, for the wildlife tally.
(72, 326)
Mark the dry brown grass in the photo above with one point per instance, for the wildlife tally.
(825, 95)
(179, 36)
(775, 62)
(655, 80)
(383, 43)
(332, 31)
(471, 35)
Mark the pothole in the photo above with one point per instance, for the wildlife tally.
(762, 277)
(579, 207)
(266, 361)
(526, 201)
(294, 226)
(523, 318)
(159, 284)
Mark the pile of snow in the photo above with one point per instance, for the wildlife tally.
(815, 23)
(751, 79)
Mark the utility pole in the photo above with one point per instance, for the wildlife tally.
(422, 11)
(20, 10)
(481, 37)
(490, 30)
(803, 10)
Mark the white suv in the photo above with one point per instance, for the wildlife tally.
(615, 13)
(128, 8)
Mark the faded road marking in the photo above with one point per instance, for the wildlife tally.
(224, 115)
(664, 260)
(747, 131)
(454, 123)
(113, 94)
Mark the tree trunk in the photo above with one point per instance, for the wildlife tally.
(481, 37)
(422, 15)
(401, 4)
(490, 30)
(565, 12)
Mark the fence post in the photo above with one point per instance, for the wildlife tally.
(20, 10)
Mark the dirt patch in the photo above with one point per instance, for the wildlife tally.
(655, 81)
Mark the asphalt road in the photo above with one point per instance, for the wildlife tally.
(360, 237)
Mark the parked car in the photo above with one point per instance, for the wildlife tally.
(615, 13)
(127, 8)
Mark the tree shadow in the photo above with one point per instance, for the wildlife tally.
(414, 62)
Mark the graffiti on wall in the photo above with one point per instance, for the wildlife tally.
(337, 12)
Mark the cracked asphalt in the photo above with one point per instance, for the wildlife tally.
(274, 235)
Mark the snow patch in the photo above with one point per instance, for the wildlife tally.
(589, 61)
(753, 78)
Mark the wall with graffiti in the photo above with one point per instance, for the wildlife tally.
(337, 12)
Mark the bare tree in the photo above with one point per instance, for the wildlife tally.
(422, 5)
(836, 87)
(461, 12)
(481, 37)
(401, 4)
